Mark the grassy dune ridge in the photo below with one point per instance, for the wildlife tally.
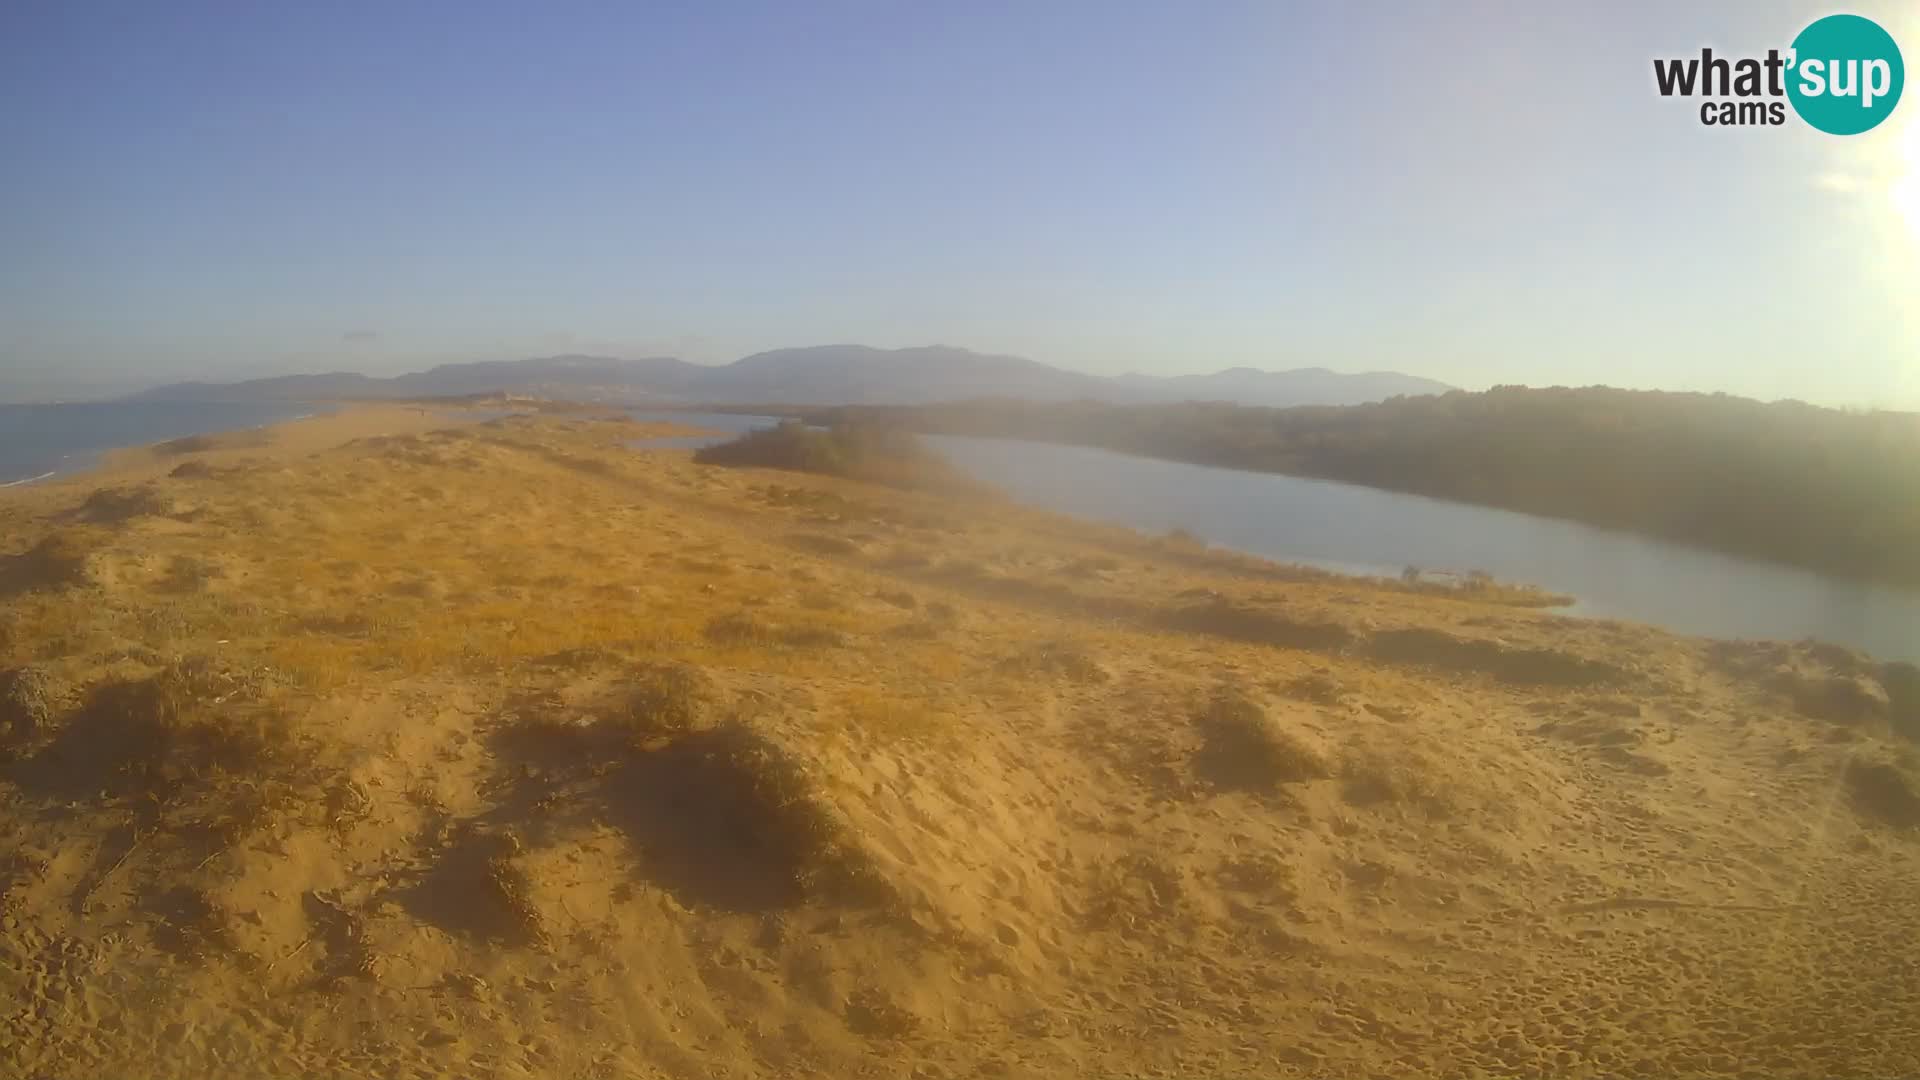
(504, 750)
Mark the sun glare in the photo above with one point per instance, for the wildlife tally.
(1905, 191)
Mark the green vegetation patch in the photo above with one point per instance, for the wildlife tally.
(873, 453)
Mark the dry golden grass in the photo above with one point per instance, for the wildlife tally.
(569, 761)
(890, 715)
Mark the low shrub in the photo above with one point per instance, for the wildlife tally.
(882, 455)
(1888, 790)
(664, 699)
(1246, 748)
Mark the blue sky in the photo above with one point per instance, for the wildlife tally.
(1486, 193)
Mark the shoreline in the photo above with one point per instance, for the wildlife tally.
(30, 479)
(329, 424)
(80, 460)
(89, 460)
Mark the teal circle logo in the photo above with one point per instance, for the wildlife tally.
(1846, 74)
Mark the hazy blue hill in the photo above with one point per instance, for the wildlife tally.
(1302, 386)
(859, 374)
(818, 375)
(338, 384)
(657, 374)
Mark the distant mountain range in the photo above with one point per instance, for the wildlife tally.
(820, 375)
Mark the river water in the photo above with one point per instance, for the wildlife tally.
(1365, 530)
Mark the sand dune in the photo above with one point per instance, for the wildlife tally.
(388, 748)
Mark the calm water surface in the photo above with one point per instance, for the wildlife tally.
(1365, 530)
(39, 441)
(731, 425)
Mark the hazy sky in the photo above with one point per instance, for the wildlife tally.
(1477, 193)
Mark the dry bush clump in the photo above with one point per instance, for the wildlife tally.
(1246, 748)
(1090, 566)
(191, 573)
(731, 818)
(1887, 788)
(876, 454)
(188, 764)
(507, 888)
(1476, 585)
(581, 658)
(1839, 698)
(743, 628)
(1828, 682)
(1317, 687)
(28, 698)
(541, 731)
(1181, 539)
(903, 557)
(1264, 874)
(725, 815)
(249, 806)
(592, 466)
(819, 544)
(62, 558)
(113, 505)
(1749, 659)
(917, 630)
(1521, 666)
(230, 440)
(899, 598)
(1134, 893)
(343, 934)
(772, 798)
(809, 636)
(870, 1013)
(196, 769)
(193, 470)
(1901, 682)
(781, 495)
(739, 628)
(663, 700)
(961, 569)
(171, 729)
(476, 888)
(821, 600)
(1055, 659)
(188, 923)
(1372, 778)
(1226, 619)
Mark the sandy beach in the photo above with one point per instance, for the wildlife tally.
(383, 743)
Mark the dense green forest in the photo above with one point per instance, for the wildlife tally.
(1820, 488)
